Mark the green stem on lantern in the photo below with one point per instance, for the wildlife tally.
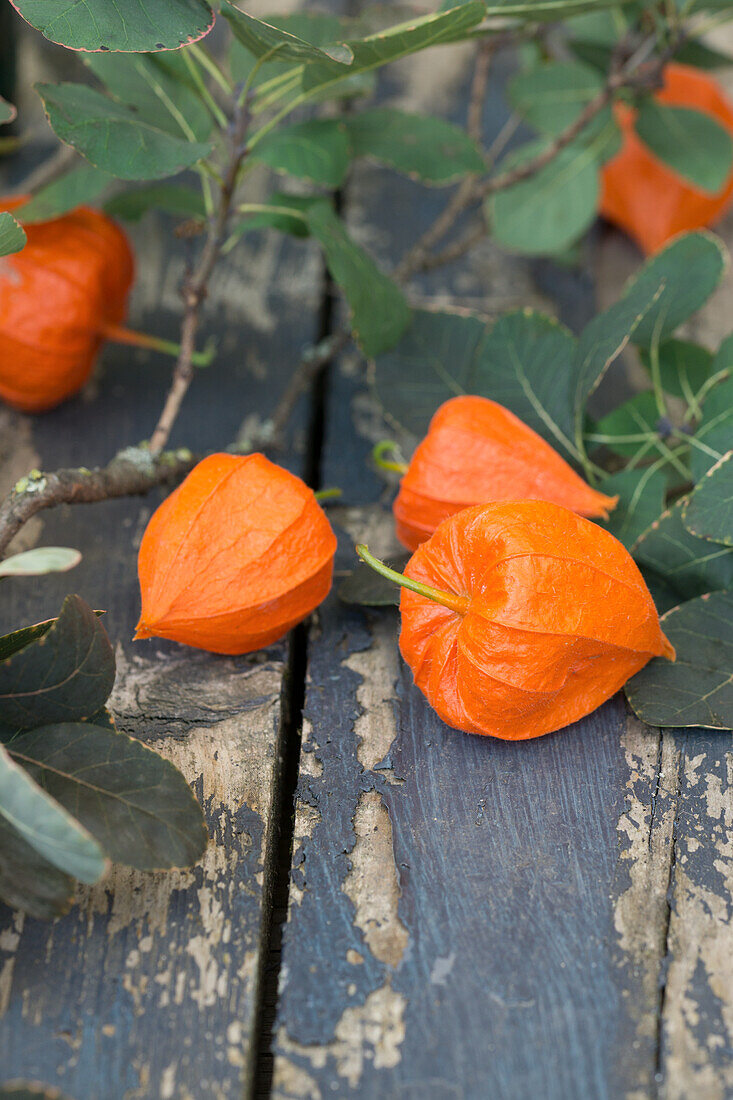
(327, 494)
(382, 448)
(458, 604)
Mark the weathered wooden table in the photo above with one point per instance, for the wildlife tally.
(446, 917)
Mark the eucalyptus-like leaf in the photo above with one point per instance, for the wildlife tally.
(265, 40)
(715, 430)
(697, 690)
(7, 111)
(551, 95)
(605, 337)
(689, 142)
(394, 43)
(687, 565)
(41, 560)
(28, 881)
(101, 25)
(317, 150)
(622, 429)
(426, 148)
(45, 825)
(521, 361)
(640, 495)
(690, 268)
(12, 237)
(135, 803)
(79, 186)
(365, 588)
(57, 671)
(539, 9)
(700, 55)
(159, 88)
(708, 513)
(683, 367)
(112, 137)
(172, 198)
(379, 310)
(546, 213)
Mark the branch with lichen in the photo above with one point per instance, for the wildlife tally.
(132, 472)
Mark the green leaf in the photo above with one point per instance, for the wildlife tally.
(159, 88)
(626, 424)
(552, 95)
(379, 310)
(540, 9)
(12, 237)
(45, 825)
(112, 138)
(317, 150)
(394, 43)
(640, 501)
(7, 111)
(171, 198)
(701, 56)
(424, 147)
(697, 690)
(135, 803)
(262, 39)
(56, 671)
(689, 142)
(44, 559)
(549, 211)
(605, 337)
(691, 268)
(28, 881)
(521, 362)
(101, 25)
(709, 510)
(80, 186)
(683, 367)
(716, 427)
(689, 566)
(365, 588)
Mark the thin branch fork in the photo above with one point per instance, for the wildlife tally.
(638, 73)
(135, 470)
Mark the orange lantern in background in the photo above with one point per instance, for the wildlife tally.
(57, 297)
(477, 451)
(641, 194)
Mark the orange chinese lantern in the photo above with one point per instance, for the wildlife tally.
(643, 195)
(57, 298)
(477, 451)
(521, 617)
(235, 557)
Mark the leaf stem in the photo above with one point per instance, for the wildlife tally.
(214, 109)
(458, 604)
(214, 70)
(382, 448)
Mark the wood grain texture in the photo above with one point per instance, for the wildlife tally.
(147, 989)
(472, 918)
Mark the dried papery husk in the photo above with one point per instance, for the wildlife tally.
(56, 295)
(477, 451)
(550, 617)
(641, 194)
(235, 557)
